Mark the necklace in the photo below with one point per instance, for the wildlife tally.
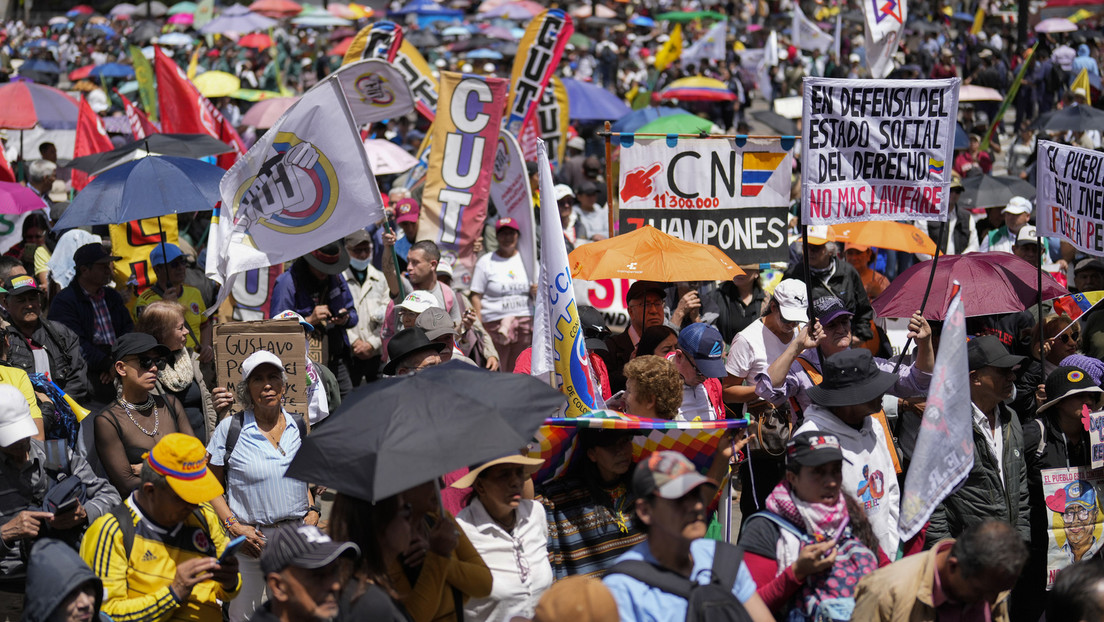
(275, 441)
(146, 405)
(156, 419)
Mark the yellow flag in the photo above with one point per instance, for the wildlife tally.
(671, 50)
(979, 21)
(193, 64)
(1082, 82)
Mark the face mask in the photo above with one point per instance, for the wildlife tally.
(359, 265)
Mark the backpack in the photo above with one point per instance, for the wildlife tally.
(832, 597)
(708, 602)
(238, 419)
(122, 514)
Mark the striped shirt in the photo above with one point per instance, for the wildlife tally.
(137, 588)
(256, 489)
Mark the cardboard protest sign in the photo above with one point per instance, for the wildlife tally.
(877, 149)
(1070, 203)
(235, 341)
(730, 193)
(1073, 516)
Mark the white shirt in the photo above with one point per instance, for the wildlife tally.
(504, 285)
(595, 222)
(695, 405)
(994, 439)
(753, 350)
(509, 556)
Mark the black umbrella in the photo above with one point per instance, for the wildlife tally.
(183, 145)
(1072, 119)
(981, 191)
(775, 121)
(923, 26)
(144, 31)
(397, 433)
(423, 39)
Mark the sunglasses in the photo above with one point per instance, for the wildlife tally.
(1069, 338)
(148, 362)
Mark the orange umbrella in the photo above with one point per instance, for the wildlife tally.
(897, 236)
(256, 40)
(276, 8)
(648, 253)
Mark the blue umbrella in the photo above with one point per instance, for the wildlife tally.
(588, 102)
(40, 65)
(146, 188)
(112, 70)
(107, 30)
(644, 22)
(963, 17)
(40, 43)
(426, 8)
(485, 54)
(961, 140)
(639, 118)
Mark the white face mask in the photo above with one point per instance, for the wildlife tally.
(360, 264)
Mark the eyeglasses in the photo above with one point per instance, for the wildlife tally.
(1080, 514)
(522, 563)
(690, 359)
(655, 304)
(148, 362)
(1070, 338)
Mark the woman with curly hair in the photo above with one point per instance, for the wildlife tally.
(653, 388)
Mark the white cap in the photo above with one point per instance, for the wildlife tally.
(563, 191)
(441, 63)
(488, 67)
(1017, 205)
(419, 301)
(258, 358)
(793, 300)
(445, 268)
(16, 423)
(576, 142)
(1079, 91)
(467, 68)
(1027, 235)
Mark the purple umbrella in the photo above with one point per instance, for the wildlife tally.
(238, 19)
(991, 283)
(18, 199)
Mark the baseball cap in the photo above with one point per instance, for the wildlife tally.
(563, 191)
(988, 351)
(357, 238)
(407, 210)
(258, 358)
(136, 343)
(1017, 205)
(640, 289)
(92, 253)
(588, 187)
(182, 460)
(1092, 263)
(576, 142)
(165, 254)
(813, 448)
(419, 301)
(793, 300)
(1080, 493)
(288, 314)
(828, 308)
(705, 345)
(666, 474)
(862, 248)
(508, 223)
(16, 422)
(332, 258)
(19, 284)
(1026, 235)
(302, 546)
(436, 322)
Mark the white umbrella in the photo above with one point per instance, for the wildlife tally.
(387, 158)
(973, 93)
(123, 9)
(1056, 24)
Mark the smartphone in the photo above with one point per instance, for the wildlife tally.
(232, 549)
(68, 506)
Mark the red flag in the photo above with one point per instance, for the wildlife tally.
(228, 135)
(140, 125)
(185, 111)
(91, 138)
(6, 172)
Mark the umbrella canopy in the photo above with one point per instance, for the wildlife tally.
(258, 40)
(40, 65)
(27, 104)
(320, 21)
(341, 48)
(182, 19)
(427, 8)
(124, 8)
(18, 199)
(961, 139)
(182, 145)
(81, 9)
(679, 124)
(423, 39)
(589, 102)
(175, 39)
(642, 21)
(983, 191)
(588, 10)
(456, 31)
(775, 121)
(397, 433)
(112, 70)
(972, 93)
(991, 283)
(276, 9)
(146, 30)
(638, 118)
(217, 83)
(521, 10)
(1072, 119)
(648, 253)
(266, 112)
(152, 9)
(187, 7)
(145, 188)
(697, 88)
(484, 54)
(688, 16)
(238, 19)
(1055, 24)
(253, 95)
(887, 234)
(387, 158)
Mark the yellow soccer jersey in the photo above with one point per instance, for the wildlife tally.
(190, 299)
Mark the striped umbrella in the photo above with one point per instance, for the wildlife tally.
(697, 88)
(27, 104)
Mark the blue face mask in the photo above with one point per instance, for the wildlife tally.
(359, 264)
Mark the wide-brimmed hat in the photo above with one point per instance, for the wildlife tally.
(1066, 381)
(182, 460)
(405, 343)
(330, 259)
(531, 465)
(851, 377)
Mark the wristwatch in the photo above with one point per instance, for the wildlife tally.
(314, 508)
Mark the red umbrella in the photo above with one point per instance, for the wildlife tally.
(991, 283)
(341, 48)
(82, 9)
(81, 73)
(257, 40)
(276, 8)
(27, 104)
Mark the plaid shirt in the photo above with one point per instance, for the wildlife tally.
(104, 332)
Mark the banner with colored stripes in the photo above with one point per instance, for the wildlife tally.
(732, 193)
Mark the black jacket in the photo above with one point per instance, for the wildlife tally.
(73, 308)
(67, 367)
(844, 283)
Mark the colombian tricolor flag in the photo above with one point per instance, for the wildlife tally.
(758, 168)
(1077, 305)
(935, 167)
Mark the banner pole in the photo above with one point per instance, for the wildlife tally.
(939, 246)
(1039, 301)
(611, 210)
(607, 132)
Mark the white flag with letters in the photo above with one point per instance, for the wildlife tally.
(807, 35)
(710, 47)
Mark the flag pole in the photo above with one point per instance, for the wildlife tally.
(1039, 301)
(939, 246)
(611, 211)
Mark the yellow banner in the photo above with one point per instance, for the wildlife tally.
(134, 241)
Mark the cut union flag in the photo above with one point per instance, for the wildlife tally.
(757, 170)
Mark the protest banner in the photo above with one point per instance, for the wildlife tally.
(1095, 423)
(1073, 516)
(877, 149)
(374, 89)
(380, 39)
(461, 163)
(235, 341)
(513, 198)
(553, 121)
(732, 193)
(1070, 203)
(539, 53)
(133, 242)
(251, 295)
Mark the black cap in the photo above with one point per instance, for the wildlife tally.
(594, 327)
(136, 343)
(302, 546)
(813, 448)
(92, 253)
(988, 351)
(405, 343)
(587, 187)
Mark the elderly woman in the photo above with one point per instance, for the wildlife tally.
(500, 293)
(653, 388)
(129, 427)
(1060, 340)
(811, 534)
(381, 530)
(249, 453)
(511, 535)
(181, 377)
